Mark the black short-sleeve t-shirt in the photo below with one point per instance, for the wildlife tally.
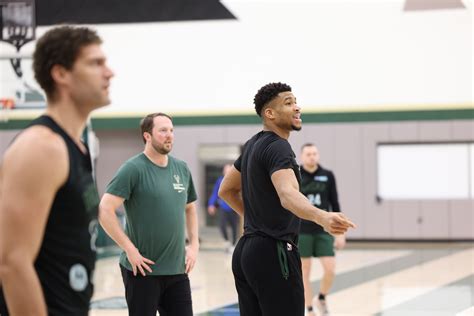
(262, 155)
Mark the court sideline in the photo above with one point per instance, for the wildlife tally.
(372, 279)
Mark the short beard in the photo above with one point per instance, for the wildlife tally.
(295, 128)
(160, 150)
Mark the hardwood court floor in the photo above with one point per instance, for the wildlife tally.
(395, 279)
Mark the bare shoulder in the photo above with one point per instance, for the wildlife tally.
(37, 151)
(33, 169)
(37, 142)
(40, 136)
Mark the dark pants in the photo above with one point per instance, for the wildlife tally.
(3, 304)
(168, 294)
(229, 219)
(268, 277)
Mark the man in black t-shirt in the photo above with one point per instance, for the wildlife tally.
(319, 186)
(263, 187)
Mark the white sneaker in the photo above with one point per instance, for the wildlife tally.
(227, 245)
(230, 250)
(306, 313)
(322, 307)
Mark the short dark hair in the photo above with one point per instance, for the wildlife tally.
(267, 93)
(59, 46)
(307, 145)
(147, 123)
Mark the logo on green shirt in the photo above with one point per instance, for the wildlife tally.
(178, 186)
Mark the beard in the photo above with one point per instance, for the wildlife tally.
(161, 149)
(295, 128)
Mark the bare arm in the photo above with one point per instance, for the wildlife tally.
(33, 169)
(287, 188)
(230, 191)
(108, 220)
(192, 230)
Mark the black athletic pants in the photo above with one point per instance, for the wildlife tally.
(168, 294)
(268, 277)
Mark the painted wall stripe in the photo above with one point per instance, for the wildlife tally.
(132, 122)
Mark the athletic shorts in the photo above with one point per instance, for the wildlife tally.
(316, 245)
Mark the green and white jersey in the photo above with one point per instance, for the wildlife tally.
(320, 189)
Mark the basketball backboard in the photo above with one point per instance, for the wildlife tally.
(17, 27)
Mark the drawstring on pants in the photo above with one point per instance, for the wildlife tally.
(283, 259)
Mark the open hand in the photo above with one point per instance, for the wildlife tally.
(191, 256)
(211, 210)
(138, 262)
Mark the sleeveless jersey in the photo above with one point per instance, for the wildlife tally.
(66, 259)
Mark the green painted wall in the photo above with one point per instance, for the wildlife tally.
(114, 123)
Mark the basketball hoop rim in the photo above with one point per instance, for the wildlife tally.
(7, 103)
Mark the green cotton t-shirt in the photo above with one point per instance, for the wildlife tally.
(155, 201)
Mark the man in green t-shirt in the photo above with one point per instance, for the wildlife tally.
(158, 194)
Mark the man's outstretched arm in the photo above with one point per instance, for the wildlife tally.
(286, 185)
